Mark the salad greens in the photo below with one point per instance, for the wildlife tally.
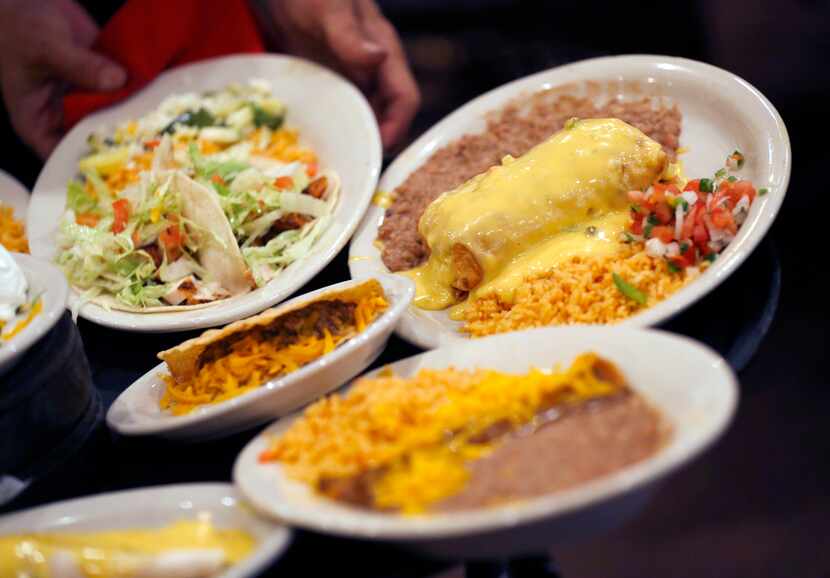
(125, 234)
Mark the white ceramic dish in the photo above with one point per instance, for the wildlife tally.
(14, 194)
(137, 412)
(721, 112)
(688, 383)
(332, 117)
(48, 281)
(155, 507)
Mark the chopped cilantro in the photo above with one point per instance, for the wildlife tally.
(629, 290)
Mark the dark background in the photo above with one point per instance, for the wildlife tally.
(757, 503)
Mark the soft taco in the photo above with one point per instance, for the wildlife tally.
(223, 363)
(174, 251)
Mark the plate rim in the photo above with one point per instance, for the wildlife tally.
(212, 316)
(415, 331)
(54, 305)
(542, 508)
(373, 332)
(21, 195)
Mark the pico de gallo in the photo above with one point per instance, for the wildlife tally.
(693, 224)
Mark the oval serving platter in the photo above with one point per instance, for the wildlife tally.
(721, 113)
(331, 115)
(154, 507)
(136, 411)
(688, 383)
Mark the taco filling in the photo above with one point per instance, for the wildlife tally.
(453, 439)
(207, 197)
(225, 363)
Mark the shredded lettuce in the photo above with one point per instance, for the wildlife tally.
(78, 200)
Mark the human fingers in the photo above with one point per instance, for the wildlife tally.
(348, 42)
(82, 67)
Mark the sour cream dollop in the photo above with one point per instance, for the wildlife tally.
(13, 286)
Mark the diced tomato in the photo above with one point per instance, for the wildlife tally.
(658, 194)
(171, 240)
(637, 223)
(121, 214)
(700, 235)
(663, 212)
(636, 197)
(693, 185)
(684, 259)
(218, 180)
(744, 188)
(663, 232)
(722, 219)
(171, 237)
(151, 144)
(87, 219)
(284, 182)
(695, 214)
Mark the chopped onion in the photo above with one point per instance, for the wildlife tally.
(690, 197)
(672, 249)
(303, 204)
(678, 220)
(655, 248)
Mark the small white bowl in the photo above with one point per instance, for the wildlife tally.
(137, 412)
(48, 281)
(155, 507)
(721, 112)
(331, 115)
(689, 384)
(14, 194)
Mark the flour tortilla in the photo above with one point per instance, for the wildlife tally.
(219, 252)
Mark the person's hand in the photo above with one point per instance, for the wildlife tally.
(353, 37)
(44, 46)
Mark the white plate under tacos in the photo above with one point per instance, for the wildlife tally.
(691, 386)
(136, 411)
(721, 113)
(333, 119)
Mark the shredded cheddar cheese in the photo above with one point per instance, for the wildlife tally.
(24, 323)
(254, 359)
(12, 232)
(414, 436)
(282, 145)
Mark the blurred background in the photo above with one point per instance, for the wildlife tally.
(731, 512)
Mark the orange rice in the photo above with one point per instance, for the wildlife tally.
(12, 232)
(581, 290)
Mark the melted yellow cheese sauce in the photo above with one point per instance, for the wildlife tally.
(113, 554)
(529, 213)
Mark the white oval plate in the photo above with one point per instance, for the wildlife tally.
(48, 281)
(332, 117)
(688, 383)
(14, 194)
(155, 507)
(721, 112)
(137, 412)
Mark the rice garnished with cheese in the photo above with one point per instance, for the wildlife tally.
(12, 232)
(580, 290)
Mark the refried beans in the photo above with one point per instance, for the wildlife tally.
(593, 440)
(513, 130)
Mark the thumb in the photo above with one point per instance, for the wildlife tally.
(347, 41)
(85, 68)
